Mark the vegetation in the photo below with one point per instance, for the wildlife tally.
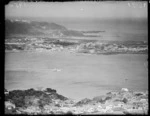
(28, 97)
(49, 102)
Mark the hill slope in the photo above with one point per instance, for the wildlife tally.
(23, 27)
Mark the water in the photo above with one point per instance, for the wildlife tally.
(81, 76)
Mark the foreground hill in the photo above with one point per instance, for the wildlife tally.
(24, 27)
(48, 101)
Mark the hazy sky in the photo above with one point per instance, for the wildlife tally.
(77, 9)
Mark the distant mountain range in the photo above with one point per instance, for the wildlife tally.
(25, 27)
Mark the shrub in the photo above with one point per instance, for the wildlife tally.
(125, 100)
(50, 90)
(18, 101)
(31, 101)
(69, 113)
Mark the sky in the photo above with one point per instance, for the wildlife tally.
(100, 10)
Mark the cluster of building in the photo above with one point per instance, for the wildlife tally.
(39, 44)
(99, 47)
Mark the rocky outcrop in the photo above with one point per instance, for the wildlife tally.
(31, 97)
(48, 101)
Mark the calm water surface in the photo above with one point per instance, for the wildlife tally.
(80, 76)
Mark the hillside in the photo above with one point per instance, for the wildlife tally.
(24, 27)
(48, 101)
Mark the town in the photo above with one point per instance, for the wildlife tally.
(75, 45)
